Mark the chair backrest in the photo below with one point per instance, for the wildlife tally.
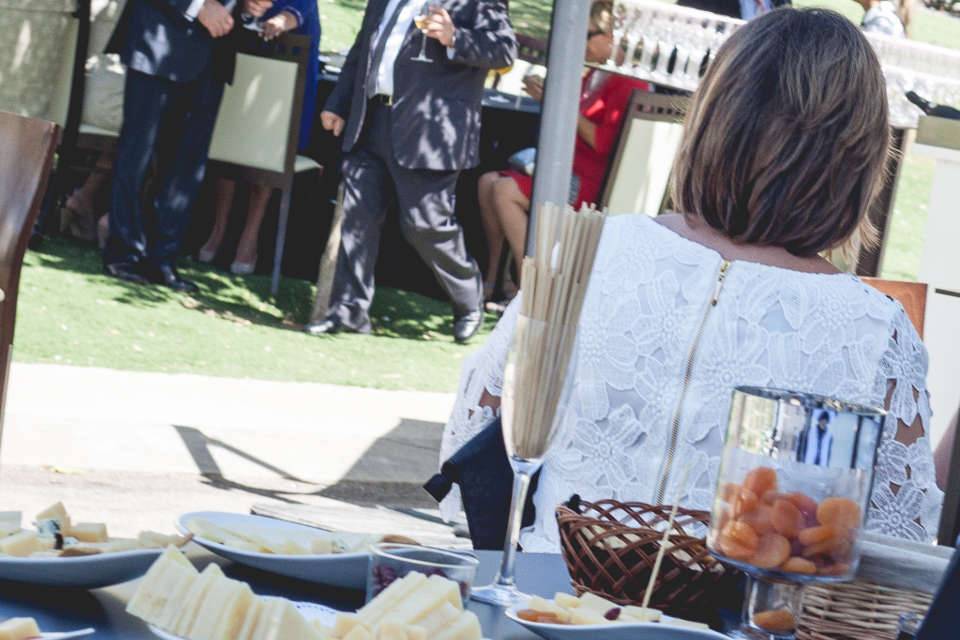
(912, 295)
(639, 170)
(258, 126)
(28, 146)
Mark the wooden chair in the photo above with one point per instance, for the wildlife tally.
(258, 128)
(912, 295)
(639, 171)
(28, 147)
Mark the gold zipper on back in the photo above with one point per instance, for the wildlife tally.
(688, 373)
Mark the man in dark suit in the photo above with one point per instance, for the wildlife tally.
(409, 127)
(178, 59)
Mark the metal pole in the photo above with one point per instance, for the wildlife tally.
(561, 104)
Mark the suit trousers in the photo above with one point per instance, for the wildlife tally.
(175, 120)
(425, 201)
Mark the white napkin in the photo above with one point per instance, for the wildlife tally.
(901, 564)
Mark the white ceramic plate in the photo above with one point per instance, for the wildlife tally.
(344, 570)
(638, 631)
(84, 572)
(310, 611)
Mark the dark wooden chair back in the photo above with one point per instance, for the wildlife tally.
(28, 146)
(912, 295)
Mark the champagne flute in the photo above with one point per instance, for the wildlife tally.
(420, 20)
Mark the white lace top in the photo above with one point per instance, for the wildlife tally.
(818, 333)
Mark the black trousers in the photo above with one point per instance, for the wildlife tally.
(425, 201)
(175, 120)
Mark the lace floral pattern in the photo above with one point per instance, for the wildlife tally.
(826, 334)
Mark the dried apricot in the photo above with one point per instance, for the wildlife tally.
(772, 551)
(814, 535)
(531, 615)
(759, 519)
(836, 547)
(729, 491)
(761, 480)
(843, 513)
(839, 569)
(745, 502)
(779, 621)
(798, 565)
(786, 518)
(771, 496)
(806, 504)
(738, 540)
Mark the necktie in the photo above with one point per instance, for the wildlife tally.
(377, 57)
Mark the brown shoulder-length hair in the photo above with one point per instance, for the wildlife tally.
(787, 136)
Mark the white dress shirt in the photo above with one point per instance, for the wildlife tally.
(408, 9)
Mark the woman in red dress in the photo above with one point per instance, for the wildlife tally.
(505, 195)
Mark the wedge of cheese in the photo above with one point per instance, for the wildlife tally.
(284, 622)
(390, 598)
(88, 532)
(57, 513)
(168, 572)
(467, 627)
(21, 544)
(195, 598)
(223, 610)
(19, 629)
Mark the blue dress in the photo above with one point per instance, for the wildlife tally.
(308, 19)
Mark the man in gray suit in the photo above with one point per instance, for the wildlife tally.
(410, 123)
(178, 58)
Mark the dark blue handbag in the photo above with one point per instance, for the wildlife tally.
(485, 478)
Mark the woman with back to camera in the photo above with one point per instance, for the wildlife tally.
(783, 152)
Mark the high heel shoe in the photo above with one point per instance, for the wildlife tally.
(206, 256)
(243, 268)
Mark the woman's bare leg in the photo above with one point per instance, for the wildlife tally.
(222, 203)
(512, 207)
(491, 230)
(247, 247)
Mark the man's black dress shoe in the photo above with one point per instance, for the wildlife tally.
(166, 275)
(467, 326)
(126, 271)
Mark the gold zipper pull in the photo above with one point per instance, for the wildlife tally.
(724, 266)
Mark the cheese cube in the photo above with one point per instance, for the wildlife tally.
(19, 629)
(467, 627)
(20, 544)
(586, 615)
(566, 600)
(546, 606)
(88, 532)
(10, 523)
(597, 603)
(390, 598)
(642, 615)
(57, 513)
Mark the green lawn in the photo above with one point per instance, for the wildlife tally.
(71, 314)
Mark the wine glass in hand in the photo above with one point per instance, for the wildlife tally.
(421, 21)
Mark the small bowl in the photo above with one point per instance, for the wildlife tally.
(390, 562)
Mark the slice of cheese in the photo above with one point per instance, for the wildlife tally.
(156, 588)
(390, 597)
(467, 627)
(323, 632)
(344, 624)
(233, 614)
(416, 633)
(251, 620)
(428, 597)
(287, 548)
(177, 599)
(591, 601)
(88, 532)
(19, 629)
(686, 624)
(20, 544)
(321, 546)
(284, 622)
(642, 615)
(195, 598)
(56, 512)
(586, 615)
(566, 600)
(438, 619)
(392, 631)
(359, 633)
(11, 522)
(218, 603)
(154, 540)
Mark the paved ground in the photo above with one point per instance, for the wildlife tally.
(137, 449)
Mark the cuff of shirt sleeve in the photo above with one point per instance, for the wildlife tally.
(296, 14)
(194, 9)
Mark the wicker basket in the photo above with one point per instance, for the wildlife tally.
(856, 611)
(610, 548)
